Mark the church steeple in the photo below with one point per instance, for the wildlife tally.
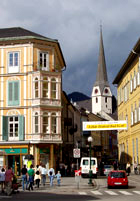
(101, 75)
(101, 93)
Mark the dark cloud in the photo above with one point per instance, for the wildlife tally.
(76, 24)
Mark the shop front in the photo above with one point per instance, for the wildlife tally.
(14, 157)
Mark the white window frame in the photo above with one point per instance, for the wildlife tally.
(135, 80)
(13, 68)
(14, 122)
(132, 118)
(46, 114)
(44, 65)
(131, 84)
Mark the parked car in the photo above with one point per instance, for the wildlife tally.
(117, 178)
(107, 169)
(85, 166)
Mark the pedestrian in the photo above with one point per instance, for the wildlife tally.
(51, 175)
(115, 165)
(135, 167)
(24, 177)
(37, 176)
(31, 173)
(58, 176)
(128, 168)
(8, 180)
(43, 175)
(2, 179)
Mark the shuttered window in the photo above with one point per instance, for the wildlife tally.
(13, 128)
(13, 93)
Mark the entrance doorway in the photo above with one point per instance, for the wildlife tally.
(14, 162)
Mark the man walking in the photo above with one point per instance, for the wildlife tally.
(8, 180)
(24, 177)
(31, 173)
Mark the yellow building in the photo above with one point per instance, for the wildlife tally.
(30, 98)
(128, 89)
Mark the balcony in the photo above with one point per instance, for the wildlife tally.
(49, 102)
(45, 138)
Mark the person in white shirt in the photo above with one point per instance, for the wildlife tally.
(43, 175)
(51, 175)
(2, 179)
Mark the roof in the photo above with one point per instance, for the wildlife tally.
(101, 76)
(16, 33)
(19, 32)
(127, 64)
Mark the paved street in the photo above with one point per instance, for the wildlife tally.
(70, 191)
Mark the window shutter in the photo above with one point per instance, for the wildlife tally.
(16, 93)
(10, 93)
(5, 128)
(21, 128)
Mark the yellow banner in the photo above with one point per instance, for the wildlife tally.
(104, 125)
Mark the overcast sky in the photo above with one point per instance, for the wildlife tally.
(76, 25)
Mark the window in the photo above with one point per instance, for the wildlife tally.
(131, 84)
(45, 87)
(44, 61)
(135, 113)
(13, 62)
(105, 99)
(132, 115)
(53, 123)
(53, 88)
(96, 100)
(45, 123)
(36, 123)
(13, 128)
(13, 93)
(36, 88)
(135, 80)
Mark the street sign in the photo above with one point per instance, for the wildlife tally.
(76, 153)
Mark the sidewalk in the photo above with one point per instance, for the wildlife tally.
(68, 185)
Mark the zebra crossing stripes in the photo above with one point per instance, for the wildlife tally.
(111, 193)
(137, 192)
(96, 193)
(82, 193)
(126, 193)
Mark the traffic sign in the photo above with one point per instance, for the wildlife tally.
(76, 153)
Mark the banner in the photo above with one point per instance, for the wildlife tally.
(104, 125)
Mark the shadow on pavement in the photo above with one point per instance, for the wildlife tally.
(34, 196)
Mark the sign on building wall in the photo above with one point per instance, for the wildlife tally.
(104, 125)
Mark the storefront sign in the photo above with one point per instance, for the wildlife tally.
(104, 125)
(15, 151)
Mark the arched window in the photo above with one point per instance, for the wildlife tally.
(45, 123)
(105, 99)
(53, 88)
(96, 100)
(36, 88)
(53, 123)
(45, 87)
(36, 123)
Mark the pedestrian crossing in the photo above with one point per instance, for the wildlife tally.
(109, 192)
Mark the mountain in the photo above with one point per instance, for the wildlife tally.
(77, 96)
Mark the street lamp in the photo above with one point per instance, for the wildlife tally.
(90, 139)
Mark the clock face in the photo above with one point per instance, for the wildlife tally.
(106, 91)
(96, 91)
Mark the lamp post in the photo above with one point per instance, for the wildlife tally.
(90, 139)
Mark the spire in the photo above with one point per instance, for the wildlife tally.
(101, 76)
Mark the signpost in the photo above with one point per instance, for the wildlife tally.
(76, 153)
